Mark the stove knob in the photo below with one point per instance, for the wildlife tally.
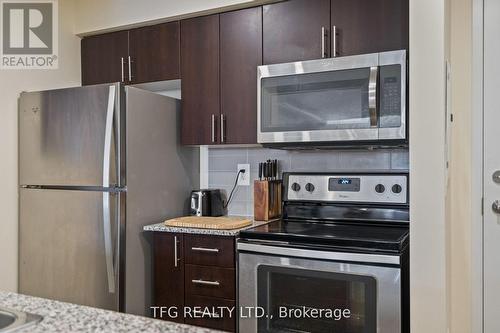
(380, 188)
(396, 188)
(309, 187)
(295, 187)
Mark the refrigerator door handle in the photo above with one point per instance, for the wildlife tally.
(106, 215)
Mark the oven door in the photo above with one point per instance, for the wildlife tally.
(302, 294)
(333, 100)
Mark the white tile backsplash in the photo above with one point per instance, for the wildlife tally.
(226, 163)
(365, 160)
(222, 167)
(399, 160)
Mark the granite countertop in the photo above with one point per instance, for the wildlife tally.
(161, 227)
(68, 318)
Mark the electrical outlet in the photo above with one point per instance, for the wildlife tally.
(244, 178)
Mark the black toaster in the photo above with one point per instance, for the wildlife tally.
(207, 203)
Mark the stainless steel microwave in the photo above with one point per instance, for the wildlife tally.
(344, 100)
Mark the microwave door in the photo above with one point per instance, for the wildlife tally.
(319, 101)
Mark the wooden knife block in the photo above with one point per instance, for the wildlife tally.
(266, 199)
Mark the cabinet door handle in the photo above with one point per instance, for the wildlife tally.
(222, 128)
(204, 249)
(208, 283)
(123, 71)
(129, 68)
(176, 254)
(334, 42)
(213, 129)
(323, 37)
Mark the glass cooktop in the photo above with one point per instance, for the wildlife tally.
(345, 235)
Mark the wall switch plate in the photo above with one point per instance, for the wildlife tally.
(244, 178)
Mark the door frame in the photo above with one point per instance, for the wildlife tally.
(477, 177)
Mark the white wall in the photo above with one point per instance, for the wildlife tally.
(98, 15)
(459, 199)
(12, 82)
(428, 229)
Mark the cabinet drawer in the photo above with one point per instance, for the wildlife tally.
(224, 323)
(209, 250)
(210, 281)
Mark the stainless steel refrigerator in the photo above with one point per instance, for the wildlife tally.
(96, 164)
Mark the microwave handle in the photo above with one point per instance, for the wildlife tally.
(372, 96)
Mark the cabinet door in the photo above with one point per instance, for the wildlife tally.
(240, 54)
(293, 30)
(154, 53)
(104, 58)
(168, 275)
(370, 26)
(200, 80)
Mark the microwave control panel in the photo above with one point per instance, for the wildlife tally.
(390, 96)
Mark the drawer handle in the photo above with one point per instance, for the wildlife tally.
(205, 249)
(208, 283)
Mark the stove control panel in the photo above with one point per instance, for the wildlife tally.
(362, 188)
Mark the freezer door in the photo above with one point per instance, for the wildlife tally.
(68, 137)
(62, 247)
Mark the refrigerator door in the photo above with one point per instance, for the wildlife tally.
(160, 176)
(64, 242)
(68, 137)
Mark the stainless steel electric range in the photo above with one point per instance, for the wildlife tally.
(336, 262)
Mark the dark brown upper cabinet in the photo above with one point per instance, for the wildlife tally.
(240, 54)
(295, 30)
(298, 30)
(136, 56)
(154, 52)
(369, 26)
(104, 58)
(200, 80)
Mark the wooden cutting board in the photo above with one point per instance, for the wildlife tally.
(207, 222)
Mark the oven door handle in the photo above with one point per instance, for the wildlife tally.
(322, 255)
(372, 96)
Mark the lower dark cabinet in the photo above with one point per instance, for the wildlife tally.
(210, 281)
(192, 273)
(168, 271)
(224, 323)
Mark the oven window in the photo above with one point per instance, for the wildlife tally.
(291, 296)
(316, 101)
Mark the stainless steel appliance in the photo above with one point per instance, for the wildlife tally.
(207, 203)
(337, 101)
(342, 245)
(96, 164)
